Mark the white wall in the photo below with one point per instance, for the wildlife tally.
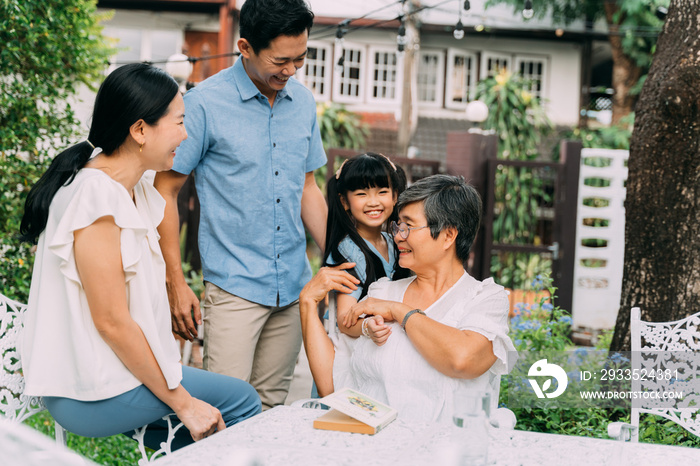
(563, 83)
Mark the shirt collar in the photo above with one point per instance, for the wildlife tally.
(247, 89)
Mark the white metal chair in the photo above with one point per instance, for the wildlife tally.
(16, 406)
(661, 346)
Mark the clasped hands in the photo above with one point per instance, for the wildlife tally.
(378, 311)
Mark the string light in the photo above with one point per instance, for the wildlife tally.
(661, 12)
(401, 36)
(467, 5)
(528, 11)
(459, 30)
(339, 40)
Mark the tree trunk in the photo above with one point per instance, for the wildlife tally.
(662, 230)
(625, 72)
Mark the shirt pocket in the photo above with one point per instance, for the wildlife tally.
(294, 152)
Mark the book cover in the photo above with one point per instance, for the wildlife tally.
(354, 412)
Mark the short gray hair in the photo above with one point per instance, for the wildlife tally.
(448, 201)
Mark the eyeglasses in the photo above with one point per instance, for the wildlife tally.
(403, 229)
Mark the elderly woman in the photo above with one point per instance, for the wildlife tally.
(425, 335)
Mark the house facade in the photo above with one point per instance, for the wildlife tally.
(366, 72)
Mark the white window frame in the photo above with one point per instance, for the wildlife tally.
(486, 56)
(544, 61)
(398, 81)
(453, 53)
(439, 77)
(337, 75)
(327, 63)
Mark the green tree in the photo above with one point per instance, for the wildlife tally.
(632, 26)
(49, 48)
(662, 219)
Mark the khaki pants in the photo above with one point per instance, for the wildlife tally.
(255, 343)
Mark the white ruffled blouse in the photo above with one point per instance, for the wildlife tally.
(398, 375)
(62, 352)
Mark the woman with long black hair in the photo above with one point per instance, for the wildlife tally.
(97, 343)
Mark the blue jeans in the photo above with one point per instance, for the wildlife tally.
(237, 400)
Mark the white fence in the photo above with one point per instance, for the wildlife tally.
(600, 238)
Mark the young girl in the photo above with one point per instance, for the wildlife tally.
(361, 198)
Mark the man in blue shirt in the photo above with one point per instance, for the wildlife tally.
(253, 146)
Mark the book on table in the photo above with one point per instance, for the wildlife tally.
(356, 412)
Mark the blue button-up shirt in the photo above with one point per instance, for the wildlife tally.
(250, 161)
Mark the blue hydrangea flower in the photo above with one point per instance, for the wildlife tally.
(618, 358)
(566, 320)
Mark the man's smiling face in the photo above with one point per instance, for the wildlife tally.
(273, 66)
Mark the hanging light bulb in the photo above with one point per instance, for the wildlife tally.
(467, 5)
(338, 49)
(340, 66)
(339, 33)
(528, 11)
(401, 36)
(459, 30)
(661, 12)
(401, 39)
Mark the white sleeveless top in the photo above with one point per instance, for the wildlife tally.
(398, 375)
(62, 352)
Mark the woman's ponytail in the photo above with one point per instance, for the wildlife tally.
(61, 172)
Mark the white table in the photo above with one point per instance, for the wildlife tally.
(285, 436)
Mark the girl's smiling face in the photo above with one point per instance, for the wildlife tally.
(370, 207)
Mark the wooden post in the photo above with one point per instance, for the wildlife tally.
(226, 12)
(467, 156)
(563, 270)
(409, 114)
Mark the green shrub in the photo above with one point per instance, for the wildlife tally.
(544, 327)
(49, 48)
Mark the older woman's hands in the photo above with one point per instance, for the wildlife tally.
(327, 279)
(389, 310)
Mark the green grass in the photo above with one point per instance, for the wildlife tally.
(118, 450)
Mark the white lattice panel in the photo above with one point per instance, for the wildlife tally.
(674, 346)
(597, 289)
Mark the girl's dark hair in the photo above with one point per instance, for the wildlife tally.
(368, 170)
(130, 93)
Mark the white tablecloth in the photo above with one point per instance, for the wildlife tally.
(285, 436)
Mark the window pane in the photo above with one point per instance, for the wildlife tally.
(384, 75)
(164, 44)
(129, 44)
